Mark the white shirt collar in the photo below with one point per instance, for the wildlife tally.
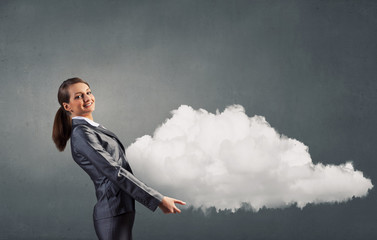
(88, 120)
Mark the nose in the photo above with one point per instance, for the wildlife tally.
(86, 98)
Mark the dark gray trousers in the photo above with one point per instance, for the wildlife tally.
(115, 228)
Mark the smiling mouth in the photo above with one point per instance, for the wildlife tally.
(88, 105)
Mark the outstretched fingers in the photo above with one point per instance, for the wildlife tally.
(179, 202)
(175, 208)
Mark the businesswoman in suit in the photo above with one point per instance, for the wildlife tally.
(101, 155)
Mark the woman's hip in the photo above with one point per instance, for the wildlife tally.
(115, 228)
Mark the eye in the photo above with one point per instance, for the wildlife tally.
(89, 93)
(78, 97)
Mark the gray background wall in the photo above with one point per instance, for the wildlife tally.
(309, 67)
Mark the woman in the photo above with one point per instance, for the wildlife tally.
(100, 154)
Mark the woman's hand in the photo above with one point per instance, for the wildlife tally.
(168, 205)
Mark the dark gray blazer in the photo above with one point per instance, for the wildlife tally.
(100, 153)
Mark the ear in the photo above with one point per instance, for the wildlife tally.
(67, 107)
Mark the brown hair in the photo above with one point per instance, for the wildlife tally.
(62, 128)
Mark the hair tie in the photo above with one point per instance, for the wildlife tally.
(63, 110)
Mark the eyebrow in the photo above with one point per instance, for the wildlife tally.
(81, 92)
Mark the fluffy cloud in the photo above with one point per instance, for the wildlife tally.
(226, 159)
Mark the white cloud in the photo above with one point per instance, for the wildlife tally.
(227, 158)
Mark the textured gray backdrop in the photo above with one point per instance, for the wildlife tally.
(309, 67)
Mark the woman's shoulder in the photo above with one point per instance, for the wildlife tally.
(82, 130)
(80, 127)
(83, 135)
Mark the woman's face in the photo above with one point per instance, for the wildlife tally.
(81, 100)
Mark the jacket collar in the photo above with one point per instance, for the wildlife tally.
(76, 122)
(91, 122)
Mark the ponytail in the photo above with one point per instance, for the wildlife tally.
(61, 131)
(62, 128)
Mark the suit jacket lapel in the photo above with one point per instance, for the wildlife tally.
(76, 122)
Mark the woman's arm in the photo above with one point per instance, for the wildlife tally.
(86, 143)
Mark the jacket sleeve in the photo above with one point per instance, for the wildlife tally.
(88, 145)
